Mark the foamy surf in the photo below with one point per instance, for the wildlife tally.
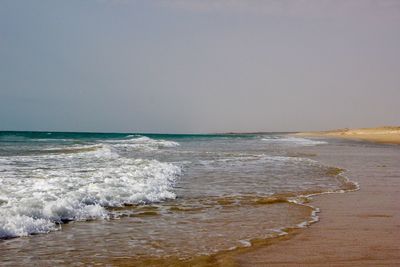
(295, 141)
(35, 204)
(75, 183)
(171, 194)
(143, 143)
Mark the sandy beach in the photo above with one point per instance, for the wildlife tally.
(386, 135)
(355, 229)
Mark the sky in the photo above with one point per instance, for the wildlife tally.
(199, 66)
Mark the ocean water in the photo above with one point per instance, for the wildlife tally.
(150, 195)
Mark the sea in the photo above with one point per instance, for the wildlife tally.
(97, 198)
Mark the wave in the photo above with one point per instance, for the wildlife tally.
(101, 147)
(71, 149)
(294, 141)
(242, 160)
(37, 203)
(142, 143)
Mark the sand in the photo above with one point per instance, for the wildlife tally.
(359, 228)
(388, 134)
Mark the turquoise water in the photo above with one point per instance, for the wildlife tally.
(90, 135)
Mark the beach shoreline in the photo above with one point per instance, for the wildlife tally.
(384, 135)
(355, 228)
(359, 228)
(358, 222)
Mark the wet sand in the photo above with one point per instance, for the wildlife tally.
(359, 228)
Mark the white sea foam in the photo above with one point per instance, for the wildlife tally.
(41, 190)
(296, 141)
(142, 143)
(241, 160)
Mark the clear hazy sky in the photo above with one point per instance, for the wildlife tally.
(198, 66)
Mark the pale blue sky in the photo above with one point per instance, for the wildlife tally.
(198, 66)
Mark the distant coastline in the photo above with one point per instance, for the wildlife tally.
(385, 134)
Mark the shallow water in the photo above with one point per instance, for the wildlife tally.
(149, 196)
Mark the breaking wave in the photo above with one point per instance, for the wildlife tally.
(38, 192)
(296, 141)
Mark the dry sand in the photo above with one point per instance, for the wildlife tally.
(388, 134)
(359, 228)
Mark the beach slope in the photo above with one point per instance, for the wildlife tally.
(387, 134)
(355, 229)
